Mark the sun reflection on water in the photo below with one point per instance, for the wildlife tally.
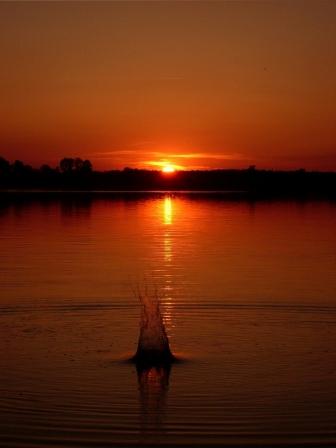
(167, 210)
(168, 260)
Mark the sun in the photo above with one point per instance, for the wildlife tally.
(167, 168)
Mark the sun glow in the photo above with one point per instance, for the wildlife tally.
(168, 168)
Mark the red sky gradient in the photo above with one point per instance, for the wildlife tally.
(197, 84)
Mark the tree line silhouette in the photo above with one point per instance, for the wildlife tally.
(77, 174)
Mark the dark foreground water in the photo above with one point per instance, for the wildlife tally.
(249, 300)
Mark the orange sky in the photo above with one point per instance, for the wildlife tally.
(199, 84)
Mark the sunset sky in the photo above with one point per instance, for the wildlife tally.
(197, 84)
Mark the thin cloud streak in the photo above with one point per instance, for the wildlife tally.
(167, 155)
(162, 163)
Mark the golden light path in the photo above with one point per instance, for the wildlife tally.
(168, 262)
(167, 210)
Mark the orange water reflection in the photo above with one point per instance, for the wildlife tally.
(167, 210)
(251, 292)
(197, 250)
(168, 289)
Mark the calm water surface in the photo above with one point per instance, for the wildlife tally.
(249, 300)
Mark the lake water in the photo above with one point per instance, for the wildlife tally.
(248, 294)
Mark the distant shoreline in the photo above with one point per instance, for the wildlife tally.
(77, 177)
(231, 195)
